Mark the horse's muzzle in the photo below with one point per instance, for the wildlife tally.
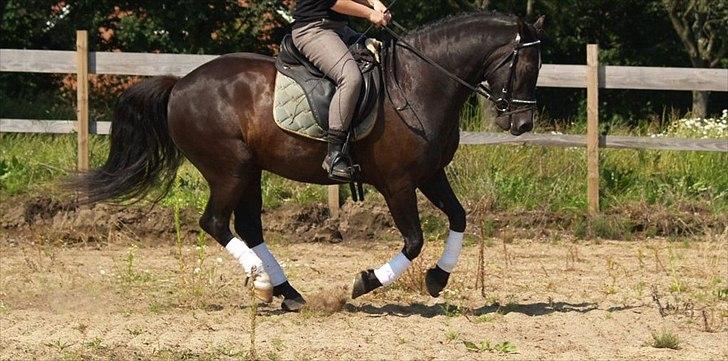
(516, 123)
(521, 125)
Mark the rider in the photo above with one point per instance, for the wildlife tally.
(321, 33)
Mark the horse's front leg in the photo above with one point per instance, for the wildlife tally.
(403, 206)
(438, 190)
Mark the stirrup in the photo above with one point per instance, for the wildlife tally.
(329, 168)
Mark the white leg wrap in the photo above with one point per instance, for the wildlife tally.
(245, 256)
(450, 255)
(393, 269)
(271, 266)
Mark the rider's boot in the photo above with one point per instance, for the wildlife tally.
(335, 163)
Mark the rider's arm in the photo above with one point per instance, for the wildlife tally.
(355, 8)
(376, 4)
(352, 8)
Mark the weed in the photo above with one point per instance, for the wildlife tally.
(722, 294)
(129, 274)
(665, 339)
(487, 228)
(448, 308)
(677, 286)
(505, 347)
(433, 225)
(229, 352)
(413, 280)
(96, 344)
(252, 353)
(451, 335)
(480, 275)
(155, 307)
(135, 331)
(60, 345)
(272, 356)
(487, 318)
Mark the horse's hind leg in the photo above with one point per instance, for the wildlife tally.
(227, 166)
(440, 193)
(248, 225)
(225, 192)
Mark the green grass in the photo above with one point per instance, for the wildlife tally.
(665, 339)
(506, 178)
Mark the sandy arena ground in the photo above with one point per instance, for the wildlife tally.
(548, 299)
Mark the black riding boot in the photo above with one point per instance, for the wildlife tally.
(335, 163)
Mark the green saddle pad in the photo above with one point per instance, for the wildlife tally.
(293, 114)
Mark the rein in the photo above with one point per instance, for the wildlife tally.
(505, 102)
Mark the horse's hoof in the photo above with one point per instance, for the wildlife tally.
(436, 280)
(262, 288)
(293, 304)
(263, 294)
(364, 283)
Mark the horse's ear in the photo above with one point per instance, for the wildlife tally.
(539, 26)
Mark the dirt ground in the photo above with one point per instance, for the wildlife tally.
(541, 299)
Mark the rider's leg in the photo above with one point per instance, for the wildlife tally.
(321, 44)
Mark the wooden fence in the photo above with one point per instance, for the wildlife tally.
(591, 76)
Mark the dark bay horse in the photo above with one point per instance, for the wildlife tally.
(220, 118)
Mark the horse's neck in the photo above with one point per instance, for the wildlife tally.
(436, 98)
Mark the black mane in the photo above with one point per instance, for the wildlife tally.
(457, 18)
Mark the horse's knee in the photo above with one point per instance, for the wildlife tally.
(456, 217)
(412, 248)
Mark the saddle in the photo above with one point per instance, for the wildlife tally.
(298, 78)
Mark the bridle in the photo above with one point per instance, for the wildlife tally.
(505, 103)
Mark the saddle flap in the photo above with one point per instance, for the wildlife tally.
(319, 89)
(290, 55)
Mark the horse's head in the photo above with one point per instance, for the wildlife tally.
(511, 78)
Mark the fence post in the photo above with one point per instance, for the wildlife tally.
(592, 129)
(82, 124)
(333, 200)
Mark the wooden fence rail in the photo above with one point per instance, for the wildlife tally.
(551, 75)
(591, 76)
(466, 138)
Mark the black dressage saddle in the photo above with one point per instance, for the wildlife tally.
(319, 89)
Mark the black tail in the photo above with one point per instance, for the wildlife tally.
(142, 155)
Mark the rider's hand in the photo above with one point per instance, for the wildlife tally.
(378, 18)
(378, 6)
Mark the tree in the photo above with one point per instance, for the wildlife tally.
(702, 26)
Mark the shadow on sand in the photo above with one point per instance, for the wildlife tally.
(529, 309)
